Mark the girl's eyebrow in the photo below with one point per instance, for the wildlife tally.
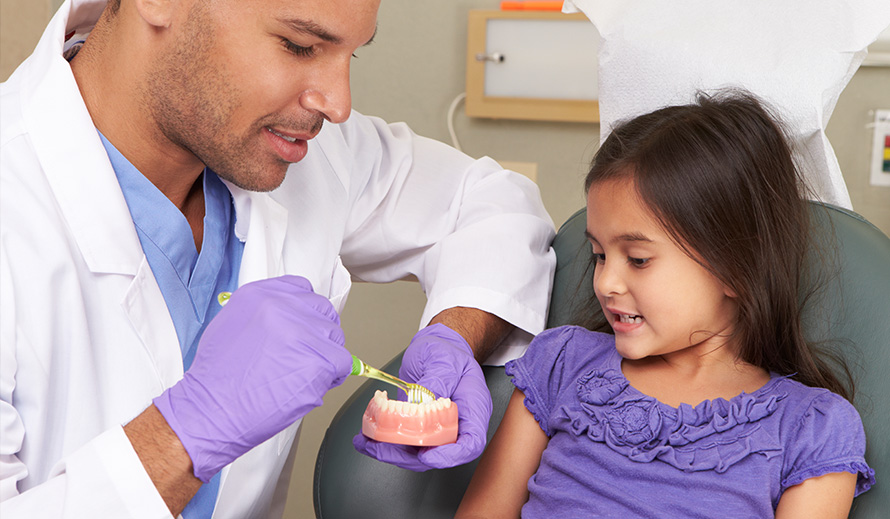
(633, 236)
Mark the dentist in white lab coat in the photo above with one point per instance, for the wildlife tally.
(87, 336)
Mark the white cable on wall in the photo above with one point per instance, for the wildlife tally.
(454, 142)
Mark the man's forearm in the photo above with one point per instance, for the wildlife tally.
(482, 331)
(164, 458)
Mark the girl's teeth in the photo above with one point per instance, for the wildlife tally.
(630, 319)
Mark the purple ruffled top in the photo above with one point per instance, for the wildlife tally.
(713, 435)
(614, 449)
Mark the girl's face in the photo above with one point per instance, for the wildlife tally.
(657, 299)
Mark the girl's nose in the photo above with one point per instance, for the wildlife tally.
(607, 280)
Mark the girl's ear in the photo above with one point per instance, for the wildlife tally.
(157, 13)
(730, 293)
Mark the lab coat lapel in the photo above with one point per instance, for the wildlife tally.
(260, 223)
(147, 311)
(89, 196)
(74, 160)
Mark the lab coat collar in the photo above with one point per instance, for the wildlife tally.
(71, 153)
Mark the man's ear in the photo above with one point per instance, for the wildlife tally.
(158, 13)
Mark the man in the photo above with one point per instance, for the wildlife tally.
(189, 147)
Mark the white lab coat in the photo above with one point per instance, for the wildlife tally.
(86, 340)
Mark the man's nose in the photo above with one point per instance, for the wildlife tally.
(330, 95)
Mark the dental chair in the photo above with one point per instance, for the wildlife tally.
(853, 310)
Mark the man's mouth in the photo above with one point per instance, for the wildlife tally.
(290, 146)
(283, 136)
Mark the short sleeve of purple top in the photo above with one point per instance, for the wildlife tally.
(615, 452)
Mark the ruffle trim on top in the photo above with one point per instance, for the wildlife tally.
(713, 435)
(530, 404)
(864, 481)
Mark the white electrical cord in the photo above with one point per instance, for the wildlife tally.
(454, 142)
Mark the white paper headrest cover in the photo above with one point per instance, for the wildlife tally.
(797, 55)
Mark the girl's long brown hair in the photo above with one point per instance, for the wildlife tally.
(720, 178)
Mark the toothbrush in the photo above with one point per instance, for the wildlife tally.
(417, 394)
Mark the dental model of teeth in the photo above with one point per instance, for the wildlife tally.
(393, 421)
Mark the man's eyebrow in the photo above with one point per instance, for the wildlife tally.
(314, 29)
(311, 28)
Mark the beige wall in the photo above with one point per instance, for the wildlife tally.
(411, 73)
(21, 24)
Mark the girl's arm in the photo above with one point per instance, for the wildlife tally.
(825, 497)
(499, 486)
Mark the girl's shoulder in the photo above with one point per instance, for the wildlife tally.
(548, 373)
(798, 411)
(572, 345)
(802, 402)
(822, 433)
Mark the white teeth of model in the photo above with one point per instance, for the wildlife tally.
(408, 409)
(285, 137)
(630, 319)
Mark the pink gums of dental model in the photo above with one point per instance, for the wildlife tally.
(425, 425)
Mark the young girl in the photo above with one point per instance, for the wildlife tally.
(706, 401)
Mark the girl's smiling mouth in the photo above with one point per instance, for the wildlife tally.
(630, 319)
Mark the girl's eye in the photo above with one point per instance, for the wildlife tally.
(298, 50)
(637, 262)
(599, 257)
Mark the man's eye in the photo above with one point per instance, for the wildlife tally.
(637, 262)
(298, 50)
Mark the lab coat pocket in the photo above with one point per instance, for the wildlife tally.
(341, 283)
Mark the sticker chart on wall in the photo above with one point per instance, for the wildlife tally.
(880, 162)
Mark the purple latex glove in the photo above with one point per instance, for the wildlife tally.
(440, 359)
(264, 361)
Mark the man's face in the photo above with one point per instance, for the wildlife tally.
(245, 83)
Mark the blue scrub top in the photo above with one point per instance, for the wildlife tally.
(189, 280)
